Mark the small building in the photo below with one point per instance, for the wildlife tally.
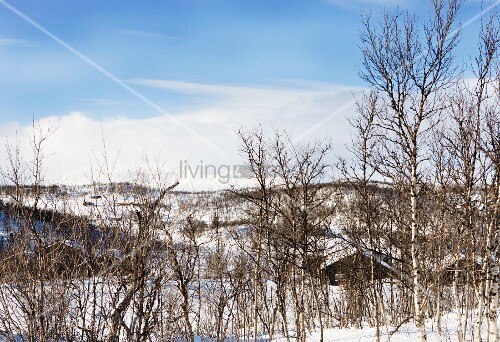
(356, 266)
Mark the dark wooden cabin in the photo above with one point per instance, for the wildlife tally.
(356, 267)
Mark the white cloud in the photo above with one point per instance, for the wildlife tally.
(101, 102)
(146, 34)
(79, 138)
(369, 4)
(4, 41)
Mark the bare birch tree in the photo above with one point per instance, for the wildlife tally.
(411, 68)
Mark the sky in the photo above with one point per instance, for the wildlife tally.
(174, 80)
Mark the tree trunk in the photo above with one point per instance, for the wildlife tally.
(458, 306)
(256, 287)
(417, 289)
(493, 304)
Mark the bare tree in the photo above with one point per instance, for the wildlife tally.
(411, 71)
(290, 213)
(363, 223)
(256, 152)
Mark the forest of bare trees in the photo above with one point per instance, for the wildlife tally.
(408, 231)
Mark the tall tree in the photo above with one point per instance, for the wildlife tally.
(411, 68)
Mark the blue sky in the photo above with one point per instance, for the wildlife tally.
(256, 42)
(229, 42)
(188, 58)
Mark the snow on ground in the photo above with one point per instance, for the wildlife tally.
(74, 200)
(405, 333)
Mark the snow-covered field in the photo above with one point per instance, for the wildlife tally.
(96, 205)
